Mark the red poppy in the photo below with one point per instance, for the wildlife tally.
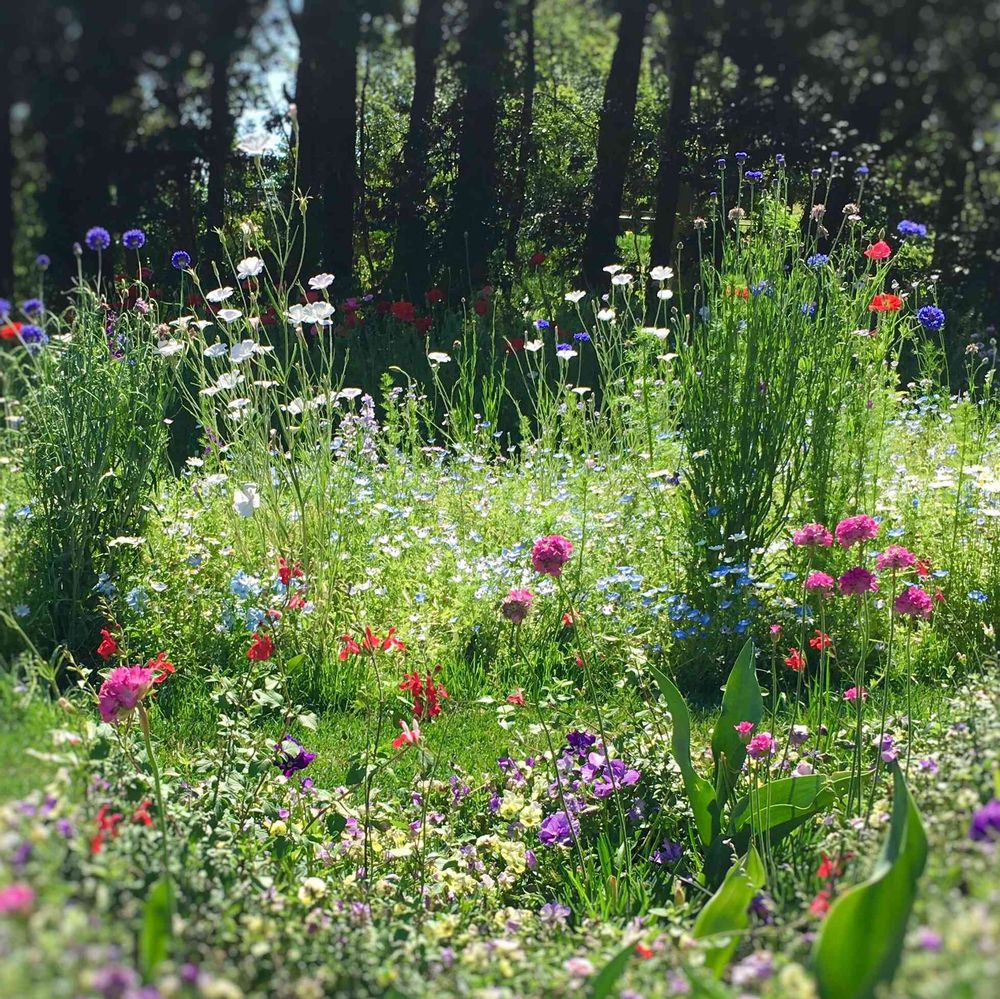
(537, 259)
(515, 345)
(422, 324)
(11, 331)
(261, 649)
(434, 296)
(879, 251)
(108, 646)
(821, 640)
(886, 302)
(404, 312)
(795, 660)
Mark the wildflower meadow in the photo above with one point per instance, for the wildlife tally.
(513, 639)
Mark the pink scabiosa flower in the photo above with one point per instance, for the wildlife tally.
(857, 581)
(762, 745)
(550, 554)
(820, 581)
(516, 605)
(853, 530)
(122, 691)
(895, 557)
(914, 602)
(812, 536)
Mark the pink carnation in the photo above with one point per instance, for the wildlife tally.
(516, 605)
(852, 530)
(856, 581)
(550, 554)
(895, 557)
(744, 729)
(812, 535)
(914, 602)
(762, 745)
(820, 581)
(16, 898)
(124, 688)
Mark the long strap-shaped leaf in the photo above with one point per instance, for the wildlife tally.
(700, 792)
(861, 940)
(740, 702)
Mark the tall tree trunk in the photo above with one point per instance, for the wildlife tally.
(326, 94)
(220, 140)
(6, 189)
(614, 140)
(409, 261)
(683, 50)
(474, 209)
(529, 79)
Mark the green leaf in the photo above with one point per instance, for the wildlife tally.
(295, 662)
(700, 793)
(725, 915)
(156, 932)
(780, 806)
(603, 983)
(740, 702)
(861, 941)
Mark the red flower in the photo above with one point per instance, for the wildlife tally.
(382, 308)
(11, 331)
(923, 567)
(403, 311)
(410, 736)
(643, 951)
(795, 660)
(426, 694)
(296, 601)
(107, 828)
(737, 292)
(821, 641)
(481, 307)
(515, 345)
(820, 905)
(434, 296)
(879, 251)
(516, 698)
(371, 643)
(537, 259)
(141, 814)
(423, 324)
(286, 572)
(568, 620)
(885, 302)
(261, 649)
(108, 646)
(161, 667)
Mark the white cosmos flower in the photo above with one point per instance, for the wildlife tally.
(664, 294)
(612, 268)
(243, 351)
(661, 273)
(170, 347)
(320, 281)
(256, 143)
(216, 350)
(622, 279)
(249, 267)
(229, 315)
(219, 294)
(606, 315)
(534, 345)
(438, 357)
(246, 500)
(574, 296)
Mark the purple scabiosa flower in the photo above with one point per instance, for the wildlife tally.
(550, 554)
(930, 317)
(556, 829)
(985, 825)
(32, 307)
(133, 239)
(668, 852)
(98, 238)
(291, 756)
(909, 228)
(812, 535)
(43, 261)
(914, 602)
(857, 581)
(516, 605)
(895, 557)
(180, 260)
(820, 581)
(852, 530)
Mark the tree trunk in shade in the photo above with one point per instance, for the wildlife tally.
(529, 78)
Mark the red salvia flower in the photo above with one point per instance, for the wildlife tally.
(286, 572)
(261, 648)
(108, 646)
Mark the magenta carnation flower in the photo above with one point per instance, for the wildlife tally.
(820, 581)
(550, 554)
(809, 535)
(856, 581)
(762, 745)
(516, 605)
(914, 602)
(852, 530)
(895, 557)
(124, 688)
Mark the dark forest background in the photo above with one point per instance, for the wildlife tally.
(451, 140)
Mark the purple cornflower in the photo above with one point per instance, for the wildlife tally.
(32, 307)
(180, 260)
(133, 239)
(908, 228)
(98, 238)
(668, 853)
(43, 261)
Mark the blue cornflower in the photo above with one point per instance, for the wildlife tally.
(562, 347)
(978, 596)
(739, 157)
(808, 309)
(180, 260)
(862, 171)
(818, 260)
(908, 228)
(815, 173)
(668, 853)
(542, 324)
(133, 239)
(136, 599)
(32, 307)
(762, 288)
(98, 238)
(779, 159)
(35, 338)
(42, 261)
(930, 317)
(721, 162)
(754, 175)
(834, 156)
(582, 337)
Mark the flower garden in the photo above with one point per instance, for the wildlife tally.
(638, 644)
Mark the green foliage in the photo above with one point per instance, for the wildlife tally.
(157, 932)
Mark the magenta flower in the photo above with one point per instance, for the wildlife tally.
(516, 605)
(812, 535)
(550, 554)
(895, 557)
(743, 730)
(851, 694)
(856, 581)
(853, 530)
(914, 602)
(16, 898)
(762, 745)
(820, 581)
(123, 689)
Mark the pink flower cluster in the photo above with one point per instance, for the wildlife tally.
(516, 605)
(761, 745)
(550, 554)
(820, 581)
(123, 689)
(914, 602)
(856, 530)
(895, 557)
(16, 899)
(812, 536)
(857, 581)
